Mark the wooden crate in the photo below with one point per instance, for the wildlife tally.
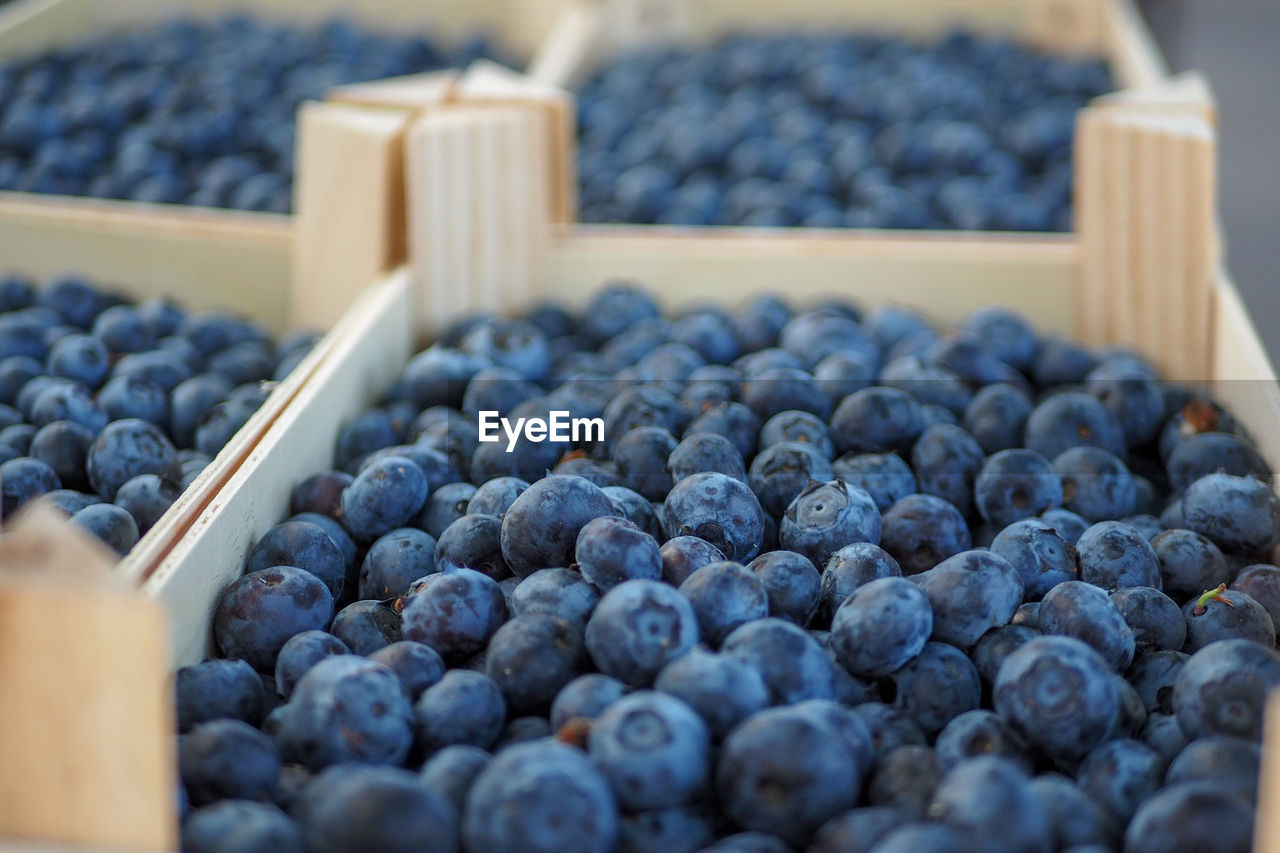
(29, 26)
(204, 263)
(591, 30)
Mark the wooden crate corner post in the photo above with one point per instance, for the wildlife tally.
(1266, 833)
(349, 200)
(86, 714)
(1145, 191)
(478, 210)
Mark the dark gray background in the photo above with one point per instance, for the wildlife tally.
(1237, 44)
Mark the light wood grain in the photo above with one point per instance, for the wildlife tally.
(86, 716)
(360, 357)
(1266, 831)
(411, 92)
(349, 205)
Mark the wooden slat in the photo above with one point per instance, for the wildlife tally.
(1068, 26)
(1145, 190)
(411, 92)
(349, 204)
(1136, 60)
(568, 47)
(946, 277)
(360, 357)
(1244, 376)
(205, 260)
(486, 84)
(1266, 831)
(86, 714)
(478, 210)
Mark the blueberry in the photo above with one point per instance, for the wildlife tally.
(366, 626)
(977, 733)
(456, 615)
(227, 759)
(850, 568)
(394, 561)
(1228, 762)
(1073, 419)
(970, 593)
(989, 798)
(64, 447)
(935, 686)
(826, 516)
(1119, 775)
(66, 402)
(1077, 820)
(1154, 618)
(923, 838)
(996, 417)
(792, 664)
(1038, 553)
(452, 772)
(884, 476)
(1262, 584)
(304, 545)
(890, 728)
(473, 542)
(683, 555)
(876, 420)
(234, 826)
(300, 654)
(881, 626)
(217, 689)
(641, 458)
(1016, 484)
(721, 689)
(781, 471)
(112, 524)
(1084, 612)
(724, 595)
(1236, 513)
(126, 449)
(1095, 484)
(531, 657)
(659, 830)
(1191, 816)
(22, 479)
(822, 773)
(383, 497)
(719, 509)
(542, 525)
(1131, 394)
(610, 551)
(920, 531)
(1223, 614)
(496, 496)
(346, 709)
(748, 842)
(540, 797)
(352, 808)
(637, 628)
(258, 613)
(464, 707)
(1114, 555)
(1189, 563)
(444, 506)
(653, 750)
(1056, 694)
(1207, 453)
(1153, 675)
(585, 698)
(797, 426)
(734, 421)
(561, 593)
(855, 831)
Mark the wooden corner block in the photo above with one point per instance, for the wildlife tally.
(410, 92)
(1266, 833)
(1188, 93)
(349, 205)
(1145, 203)
(573, 39)
(86, 713)
(1067, 26)
(489, 84)
(478, 211)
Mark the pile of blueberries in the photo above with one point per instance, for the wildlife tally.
(828, 582)
(188, 111)
(108, 410)
(825, 130)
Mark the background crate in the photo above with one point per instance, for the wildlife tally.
(203, 263)
(592, 30)
(517, 28)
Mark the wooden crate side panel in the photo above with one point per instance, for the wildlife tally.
(366, 352)
(1244, 378)
(87, 714)
(1136, 60)
(29, 26)
(946, 279)
(237, 263)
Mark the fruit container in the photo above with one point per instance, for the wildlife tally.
(1144, 271)
(513, 28)
(594, 33)
(203, 266)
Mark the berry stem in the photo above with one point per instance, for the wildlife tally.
(1202, 603)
